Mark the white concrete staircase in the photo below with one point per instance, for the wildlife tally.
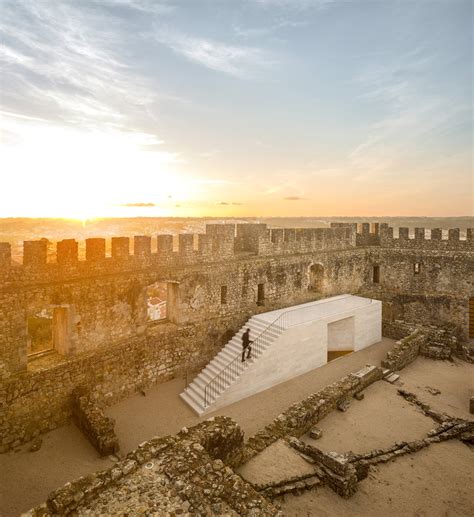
(194, 394)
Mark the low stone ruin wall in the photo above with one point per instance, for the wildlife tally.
(440, 342)
(429, 341)
(301, 416)
(97, 427)
(342, 471)
(404, 351)
(187, 470)
(333, 469)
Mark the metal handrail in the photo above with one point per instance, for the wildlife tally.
(217, 382)
(221, 379)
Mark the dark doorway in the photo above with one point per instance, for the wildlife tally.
(316, 278)
(376, 275)
(261, 294)
(471, 318)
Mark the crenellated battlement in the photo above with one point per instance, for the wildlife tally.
(258, 239)
(383, 235)
(228, 241)
(432, 239)
(220, 242)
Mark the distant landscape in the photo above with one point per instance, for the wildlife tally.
(17, 230)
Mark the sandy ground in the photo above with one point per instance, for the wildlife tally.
(162, 411)
(454, 379)
(276, 463)
(27, 478)
(379, 420)
(434, 482)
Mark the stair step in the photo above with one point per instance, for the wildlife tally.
(196, 391)
(392, 378)
(198, 401)
(230, 353)
(191, 403)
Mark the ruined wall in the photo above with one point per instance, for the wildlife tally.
(187, 473)
(104, 298)
(39, 400)
(113, 350)
(437, 294)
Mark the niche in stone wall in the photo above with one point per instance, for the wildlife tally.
(316, 278)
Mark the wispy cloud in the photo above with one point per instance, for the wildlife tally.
(138, 205)
(293, 198)
(237, 61)
(411, 115)
(145, 6)
(63, 62)
(295, 4)
(253, 32)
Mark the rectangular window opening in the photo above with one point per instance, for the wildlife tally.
(376, 274)
(223, 295)
(40, 332)
(260, 294)
(157, 301)
(417, 268)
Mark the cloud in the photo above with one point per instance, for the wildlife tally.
(255, 32)
(64, 62)
(411, 114)
(293, 198)
(145, 6)
(295, 5)
(138, 205)
(237, 61)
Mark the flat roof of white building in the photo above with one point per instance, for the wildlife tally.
(321, 308)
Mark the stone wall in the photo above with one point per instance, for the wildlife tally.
(427, 340)
(97, 427)
(40, 400)
(405, 351)
(111, 349)
(104, 297)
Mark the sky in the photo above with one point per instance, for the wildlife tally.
(236, 108)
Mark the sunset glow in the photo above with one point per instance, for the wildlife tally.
(124, 109)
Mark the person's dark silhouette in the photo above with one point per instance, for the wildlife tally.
(246, 344)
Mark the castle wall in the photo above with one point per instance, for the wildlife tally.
(111, 348)
(438, 294)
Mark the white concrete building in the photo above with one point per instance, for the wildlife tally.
(287, 343)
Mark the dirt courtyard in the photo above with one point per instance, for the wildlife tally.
(434, 482)
(26, 478)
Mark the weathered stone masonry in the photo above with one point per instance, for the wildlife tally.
(106, 345)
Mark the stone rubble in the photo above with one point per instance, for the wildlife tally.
(188, 473)
(315, 433)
